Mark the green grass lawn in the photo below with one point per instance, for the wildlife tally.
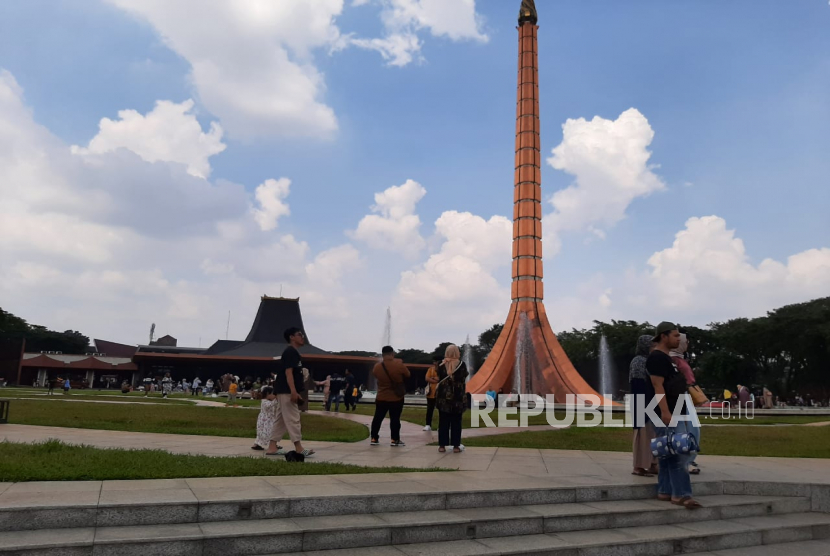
(796, 442)
(173, 419)
(55, 461)
(95, 395)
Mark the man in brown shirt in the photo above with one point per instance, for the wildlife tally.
(391, 375)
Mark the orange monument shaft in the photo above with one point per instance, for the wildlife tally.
(545, 368)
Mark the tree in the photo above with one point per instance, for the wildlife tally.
(488, 338)
(39, 338)
(358, 353)
(441, 350)
(416, 356)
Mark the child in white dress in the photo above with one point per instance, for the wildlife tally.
(265, 421)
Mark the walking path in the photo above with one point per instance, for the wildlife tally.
(565, 465)
(414, 435)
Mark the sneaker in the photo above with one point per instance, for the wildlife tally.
(374, 442)
(461, 447)
(397, 443)
(427, 428)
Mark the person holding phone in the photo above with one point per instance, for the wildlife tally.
(289, 388)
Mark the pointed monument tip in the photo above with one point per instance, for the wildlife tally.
(528, 12)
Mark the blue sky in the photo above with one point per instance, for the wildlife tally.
(733, 92)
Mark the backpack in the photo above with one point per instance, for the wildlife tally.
(450, 392)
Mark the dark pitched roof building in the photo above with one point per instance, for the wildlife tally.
(274, 317)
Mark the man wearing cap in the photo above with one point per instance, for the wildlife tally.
(673, 482)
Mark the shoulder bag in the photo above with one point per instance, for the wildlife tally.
(698, 397)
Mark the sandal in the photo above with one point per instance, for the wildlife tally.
(442, 449)
(456, 450)
(687, 502)
(641, 473)
(257, 447)
(695, 471)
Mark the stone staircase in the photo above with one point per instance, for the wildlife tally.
(739, 519)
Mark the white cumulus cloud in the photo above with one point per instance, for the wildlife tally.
(708, 271)
(270, 196)
(169, 132)
(404, 19)
(609, 159)
(456, 290)
(251, 59)
(394, 226)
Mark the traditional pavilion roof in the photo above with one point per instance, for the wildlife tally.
(114, 349)
(274, 316)
(60, 361)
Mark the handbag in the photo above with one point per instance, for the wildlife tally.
(398, 388)
(698, 397)
(673, 444)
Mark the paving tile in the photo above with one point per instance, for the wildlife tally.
(154, 484)
(452, 548)
(46, 500)
(527, 542)
(557, 510)
(715, 527)
(4, 487)
(363, 551)
(423, 518)
(506, 512)
(227, 483)
(339, 522)
(623, 506)
(652, 532)
(152, 496)
(298, 480)
(155, 533)
(22, 540)
(805, 548)
(590, 538)
(52, 487)
(223, 529)
(267, 492)
(317, 490)
(787, 520)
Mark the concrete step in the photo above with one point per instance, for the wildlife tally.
(768, 535)
(804, 548)
(490, 526)
(170, 507)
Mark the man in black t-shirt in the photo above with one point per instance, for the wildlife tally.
(289, 387)
(673, 481)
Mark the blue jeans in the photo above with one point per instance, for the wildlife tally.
(673, 478)
(687, 426)
(333, 398)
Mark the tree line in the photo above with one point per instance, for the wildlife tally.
(39, 338)
(787, 350)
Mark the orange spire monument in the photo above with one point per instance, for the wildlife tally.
(527, 343)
